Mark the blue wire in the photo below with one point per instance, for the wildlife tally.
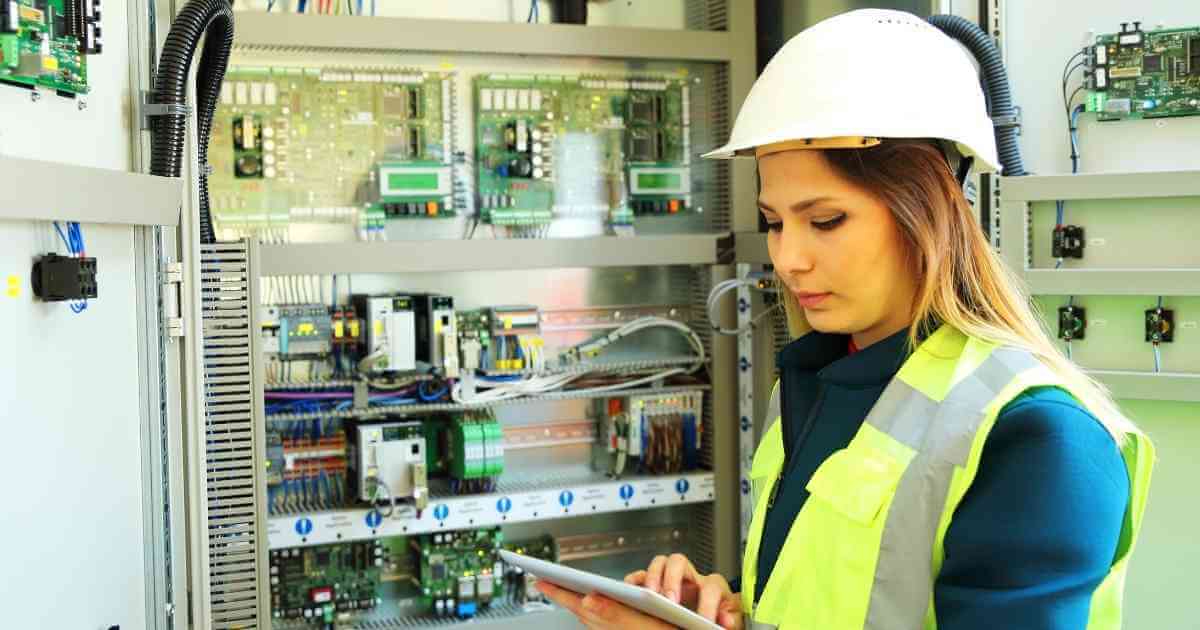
(360, 7)
(302, 6)
(393, 401)
(66, 243)
(431, 397)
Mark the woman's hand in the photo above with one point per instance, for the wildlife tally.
(709, 595)
(598, 612)
(675, 578)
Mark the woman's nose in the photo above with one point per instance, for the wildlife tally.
(791, 254)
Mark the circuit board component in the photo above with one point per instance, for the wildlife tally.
(45, 43)
(331, 145)
(460, 572)
(316, 584)
(1146, 74)
(568, 146)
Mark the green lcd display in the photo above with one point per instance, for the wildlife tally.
(659, 181)
(412, 181)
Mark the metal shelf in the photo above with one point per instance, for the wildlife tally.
(472, 255)
(49, 191)
(511, 503)
(1017, 193)
(1101, 186)
(397, 410)
(503, 617)
(1150, 385)
(278, 31)
(1113, 281)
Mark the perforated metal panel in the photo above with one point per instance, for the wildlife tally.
(236, 540)
(708, 15)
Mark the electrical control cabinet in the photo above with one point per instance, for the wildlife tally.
(432, 418)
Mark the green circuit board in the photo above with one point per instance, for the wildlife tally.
(552, 146)
(316, 144)
(46, 43)
(317, 584)
(460, 572)
(1147, 74)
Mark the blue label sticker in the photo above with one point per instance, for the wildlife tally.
(745, 487)
(504, 505)
(441, 511)
(374, 519)
(566, 498)
(626, 492)
(682, 486)
(304, 526)
(745, 423)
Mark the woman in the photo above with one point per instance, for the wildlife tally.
(932, 459)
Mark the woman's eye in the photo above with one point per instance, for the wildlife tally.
(829, 224)
(775, 227)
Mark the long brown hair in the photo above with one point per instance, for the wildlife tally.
(961, 281)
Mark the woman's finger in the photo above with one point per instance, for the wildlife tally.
(637, 578)
(570, 600)
(654, 574)
(678, 569)
(709, 600)
(730, 620)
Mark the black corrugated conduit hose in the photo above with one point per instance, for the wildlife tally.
(212, 20)
(995, 83)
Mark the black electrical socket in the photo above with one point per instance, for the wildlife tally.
(1160, 325)
(1068, 241)
(58, 278)
(1072, 322)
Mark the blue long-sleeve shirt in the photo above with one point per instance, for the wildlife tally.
(1036, 532)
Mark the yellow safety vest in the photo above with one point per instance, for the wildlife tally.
(867, 546)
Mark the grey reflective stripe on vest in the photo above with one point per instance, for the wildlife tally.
(774, 410)
(942, 434)
(758, 625)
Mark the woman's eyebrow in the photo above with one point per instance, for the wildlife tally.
(799, 206)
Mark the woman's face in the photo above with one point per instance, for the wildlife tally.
(836, 246)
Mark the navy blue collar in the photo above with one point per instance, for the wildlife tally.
(828, 356)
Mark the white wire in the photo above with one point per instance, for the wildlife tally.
(544, 383)
(1157, 359)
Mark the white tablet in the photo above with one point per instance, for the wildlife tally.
(637, 597)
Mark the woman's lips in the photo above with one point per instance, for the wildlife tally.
(809, 300)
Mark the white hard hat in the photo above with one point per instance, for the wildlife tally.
(862, 76)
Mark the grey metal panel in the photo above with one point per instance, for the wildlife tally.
(725, 465)
(742, 73)
(1150, 386)
(1113, 281)
(1102, 186)
(33, 189)
(276, 30)
(752, 248)
(462, 255)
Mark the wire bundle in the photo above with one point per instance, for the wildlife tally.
(754, 281)
(73, 240)
(507, 388)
